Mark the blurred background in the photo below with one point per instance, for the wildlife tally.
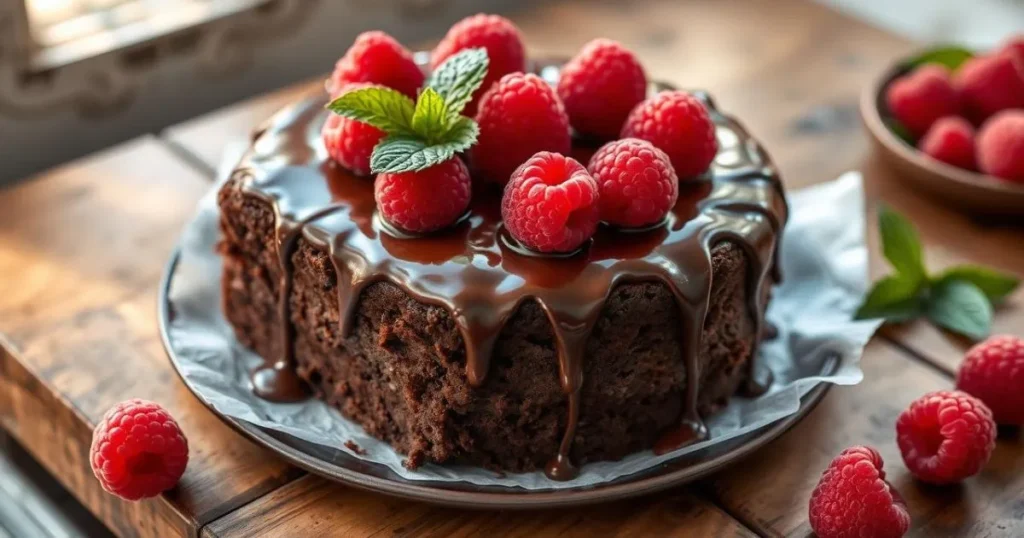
(77, 76)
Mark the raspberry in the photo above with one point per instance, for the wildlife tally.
(505, 51)
(678, 124)
(1001, 145)
(636, 182)
(1015, 47)
(349, 142)
(138, 450)
(424, 201)
(988, 84)
(950, 140)
(519, 116)
(551, 204)
(853, 499)
(377, 58)
(993, 371)
(599, 87)
(921, 97)
(946, 436)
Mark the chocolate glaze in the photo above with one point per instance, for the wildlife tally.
(473, 271)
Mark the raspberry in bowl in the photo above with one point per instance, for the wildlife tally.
(926, 115)
(506, 326)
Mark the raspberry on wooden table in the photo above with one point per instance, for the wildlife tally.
(946, 436)
(426, 200)
(138, 450)
(550, 204)
(377, 58)
(350, 142)
(600, 86)
(993, 371)
(917, 99)
(495, 33)
(1000, 146)
(989, 84)
(853, 499)
(519, 116)
(950, 140)
(636, 181)
(678, 124)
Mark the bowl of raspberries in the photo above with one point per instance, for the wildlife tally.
(951, 121)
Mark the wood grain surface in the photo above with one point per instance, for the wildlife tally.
(81, 250)
(311, 506)
(985, 505)
(82, 247)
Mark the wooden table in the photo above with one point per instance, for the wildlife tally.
(82, 248)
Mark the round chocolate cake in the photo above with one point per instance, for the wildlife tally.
(458, 347)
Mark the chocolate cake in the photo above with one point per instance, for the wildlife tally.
(455, 347)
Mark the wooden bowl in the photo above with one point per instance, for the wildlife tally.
(969, 191)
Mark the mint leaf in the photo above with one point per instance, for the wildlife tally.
(384, 108)
(426, 132)
(901, 245)
(396, 154)
(458, 77)
(961, 307)
(894, 298)
(960, 299)
(950, 56)
(995, 285)
(430, 118)
(462, 133)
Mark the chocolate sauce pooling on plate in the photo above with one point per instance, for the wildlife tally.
(474, 271)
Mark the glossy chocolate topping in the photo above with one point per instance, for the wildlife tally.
(474, 272)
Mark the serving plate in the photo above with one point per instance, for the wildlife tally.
(969, 191)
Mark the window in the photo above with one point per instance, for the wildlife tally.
(66, 31)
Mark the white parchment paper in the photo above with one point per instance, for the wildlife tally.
(824, 262)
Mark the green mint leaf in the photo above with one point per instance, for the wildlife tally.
(384, 108)
(462, 133)
(894, 298)
(458, 77)
(430, 119)
(901, 245)
(961, 307)
(995, 285)
(950, 56)
(396, 154)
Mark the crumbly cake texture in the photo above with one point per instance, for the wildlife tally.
(401, 372)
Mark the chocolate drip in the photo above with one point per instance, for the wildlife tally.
(472, 271)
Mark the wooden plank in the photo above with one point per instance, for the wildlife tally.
(82, 249)
(986, 505)
(207, 137)
(311, 505)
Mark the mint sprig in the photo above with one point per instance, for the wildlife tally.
(951, 56)
(425, 132)
(960, 299)
(459, 77)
